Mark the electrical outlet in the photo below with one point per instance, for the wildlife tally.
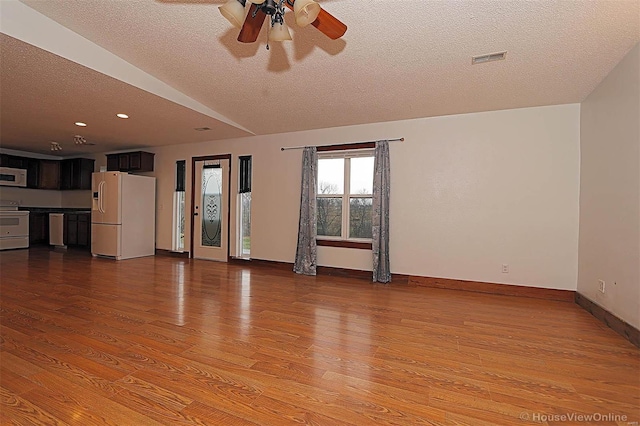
(505, 268)
(601, 286)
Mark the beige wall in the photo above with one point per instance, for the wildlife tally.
(469, 193)
(75, 199)
(28, 197)
(610, 191)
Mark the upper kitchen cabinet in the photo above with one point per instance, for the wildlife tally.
(137, 161)
(75, 173)
(13, 161)
(49, 176)
(33, 173)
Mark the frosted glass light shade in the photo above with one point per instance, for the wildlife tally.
(280, 32)
(256, 1)
(233, 10)
(305, 11)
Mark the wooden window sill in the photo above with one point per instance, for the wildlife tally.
(344, 244)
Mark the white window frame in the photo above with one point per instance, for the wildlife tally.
(240, 240)
(347, 155)
(179, 210)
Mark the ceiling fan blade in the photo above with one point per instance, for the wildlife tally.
(328, 24)
(252, 24)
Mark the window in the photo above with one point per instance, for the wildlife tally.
(178, 207)
(244, 203)
(344, 199)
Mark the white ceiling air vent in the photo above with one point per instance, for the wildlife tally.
(202, 129)
(498, 56)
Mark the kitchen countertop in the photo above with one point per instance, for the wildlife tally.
(55, 210)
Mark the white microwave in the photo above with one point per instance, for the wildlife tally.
(13, 177)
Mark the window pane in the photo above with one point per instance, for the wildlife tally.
(331, 176)
(245, 223)
(179, 221)
(212, 206)
(361, 175)
(360, 217)
(329, 216)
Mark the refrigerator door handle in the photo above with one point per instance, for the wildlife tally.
(101, 197)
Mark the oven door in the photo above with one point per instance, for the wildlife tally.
(14, 229)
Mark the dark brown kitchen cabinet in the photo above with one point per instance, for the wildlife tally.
(113, 162)
(137, 161)
(13, 161)
(84, 230)
(49, 174)
(77, 229)
(33, 173)
(75, 173)
(38, 228)
(70, 229)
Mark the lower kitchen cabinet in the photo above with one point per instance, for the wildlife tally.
(38, 228)
(77, 229)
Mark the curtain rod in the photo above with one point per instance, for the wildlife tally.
(353, 143)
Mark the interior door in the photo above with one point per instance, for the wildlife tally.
(210, 210)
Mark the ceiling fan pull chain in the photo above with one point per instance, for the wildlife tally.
(268, 31)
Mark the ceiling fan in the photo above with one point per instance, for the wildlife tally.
(79, 140)
(306, 12)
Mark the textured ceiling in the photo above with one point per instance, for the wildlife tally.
(43, 95)
(398, 60)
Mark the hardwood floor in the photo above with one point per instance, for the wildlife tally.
(164, 340)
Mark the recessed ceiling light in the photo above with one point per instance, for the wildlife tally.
(122, 116)
(81, 124)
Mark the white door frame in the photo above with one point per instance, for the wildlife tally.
(193, 192)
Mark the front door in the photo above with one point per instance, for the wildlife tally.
(210, 210)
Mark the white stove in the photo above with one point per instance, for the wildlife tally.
(14, 226)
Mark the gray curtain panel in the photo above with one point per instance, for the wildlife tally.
(307, 253)
(381, 187)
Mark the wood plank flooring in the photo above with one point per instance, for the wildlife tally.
(168, 341)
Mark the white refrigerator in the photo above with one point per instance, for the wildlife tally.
(123, 215)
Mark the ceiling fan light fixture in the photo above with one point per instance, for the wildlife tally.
(280, 32)
(233, 11)
(279, 29)
(305, 11)
(79, 140)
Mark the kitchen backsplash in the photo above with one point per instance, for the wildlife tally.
(44, 198)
